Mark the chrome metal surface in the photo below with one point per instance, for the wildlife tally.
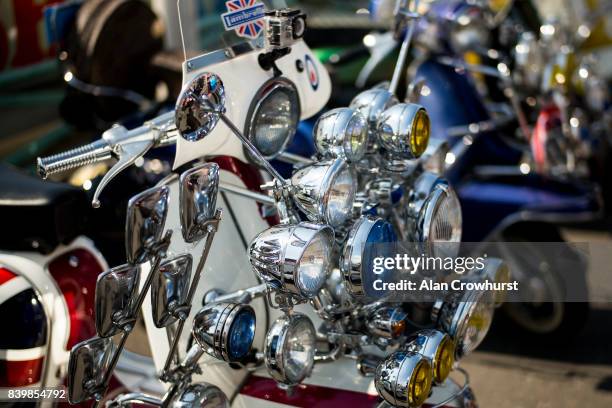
(341, 133)
(275, 255)
(116, 295)
(199, 395)
(169, 290)
(212, 324)
(146, 216)
(388, 322)
(395, 374)
(396, 128)
(427, 343)
(275, 349)
(371, 104)
(89, 361)
(313, 189)
(198, 199)
(195, 120)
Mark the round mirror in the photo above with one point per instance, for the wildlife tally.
(199, 106)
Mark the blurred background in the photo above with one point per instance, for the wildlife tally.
(69, 71)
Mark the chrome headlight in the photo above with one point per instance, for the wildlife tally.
(295, 259)
(200, 395)
(434, 216)
(225, 330)
(290, 349)
(343, 133)
(273, 117)
(371, 104)
(326, 191)
(403, 130)
(496, 270)
(404, 379)
(466, 317)
(355, 264)
(439, 349)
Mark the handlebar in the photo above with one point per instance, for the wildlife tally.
(125, 145)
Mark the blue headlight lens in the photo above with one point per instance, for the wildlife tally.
(242, 333)
(379, 244)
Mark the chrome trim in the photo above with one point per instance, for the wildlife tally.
(211, 327)
(334, 131)
(395, 129)
(275, 255)
(393, 377)
(427, 343)
(265, 91)
(198, 200)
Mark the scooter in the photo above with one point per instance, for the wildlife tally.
(216, 89)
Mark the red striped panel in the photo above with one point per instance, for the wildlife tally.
(309, 396)
(6, 275)
(20, 373)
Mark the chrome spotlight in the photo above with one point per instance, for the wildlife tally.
(355, 263)
(466, 317)
(225, 330)
(115, 299)
(325, 191)
(87, 367)
(341, 133)
(146, 216)
(198, 106)
(169, 290)
(199, 395)
(404, 379)
(198, 199)
(403, 130)
(438, 347)
(290, 349)
(372, 103)
(294, 259)
(273, 117)
(433, 217)
(387, 322)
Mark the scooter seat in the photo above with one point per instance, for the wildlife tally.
(38, 214)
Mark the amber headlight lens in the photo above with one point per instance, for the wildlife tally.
(438, 348)
(404, 379)
(444, 360)
(403, 130)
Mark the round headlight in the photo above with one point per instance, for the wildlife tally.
(404, 379)
(371, 104)
(496, 270)
(325, 191)
(290, 349)
(403, 130)
(438, 347)
(200, 395)
(225, 330)
(294, 259)
(343, 133)
(273, 117)
(466, 317)
(356, 264)
(387, 322)
(434, 216)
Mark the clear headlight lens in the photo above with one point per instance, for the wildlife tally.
(325, 191)
(295, 259)
(446, 217)
(273, 117)
(290, 349)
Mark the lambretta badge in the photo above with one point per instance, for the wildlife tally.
(245, 17)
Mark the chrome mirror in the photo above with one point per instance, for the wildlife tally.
(145, 221)
(198, 199)
(89, 362)
(116, 295)
(195, 119)
(169, 290)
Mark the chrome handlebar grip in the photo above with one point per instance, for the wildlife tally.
(81, 156)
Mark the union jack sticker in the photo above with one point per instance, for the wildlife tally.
(245, 17)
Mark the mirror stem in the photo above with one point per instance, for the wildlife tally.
(211, 227)
(158, 255)
(401, 60)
